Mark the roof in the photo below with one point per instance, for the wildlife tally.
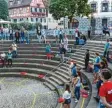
(16, 5)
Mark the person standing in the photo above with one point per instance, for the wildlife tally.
(105, 91)
(22, 36)
(86, 58)
(39, 35)
(48, 51)
(62, 52)
(76, 36)
(17, 36)
(106, 49)
(67, 97)
(66, 42)
(11, 34)
(43, 35)
(77, 86)
(89, 32)
(9, 58)
(96, 66)
(26, 36)
(57, 35)
(14, 50)
(60, 36)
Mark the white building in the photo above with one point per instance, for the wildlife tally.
(101, 13)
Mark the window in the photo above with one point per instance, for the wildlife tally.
(15, 20)
(45, 20)
(31, 19)
(104, 7)
(11, 3)
(93, 7)
(40, 19)
(32, 9)
(49, 19)
(35, 9)
(40, 10)
(36, 19)
(18, 1)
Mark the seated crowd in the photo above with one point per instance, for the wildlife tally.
(6, 58)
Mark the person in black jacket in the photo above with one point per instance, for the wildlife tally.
(17, 36)
(87, 56)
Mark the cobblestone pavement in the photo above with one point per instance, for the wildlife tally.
(25, 93)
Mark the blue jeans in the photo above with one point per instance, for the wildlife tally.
(77, 92)
(100, 105)
(27, 40)
(22, 39)
(14, 53)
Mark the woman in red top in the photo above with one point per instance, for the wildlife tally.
(105, 92)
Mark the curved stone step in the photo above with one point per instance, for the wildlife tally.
(33, 60)
(28, 70)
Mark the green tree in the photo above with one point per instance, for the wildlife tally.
(3, 10)
(70, 8)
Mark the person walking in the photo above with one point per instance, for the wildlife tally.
(67, 97)
(105, 91)
(17, 36)
(86, 59)
(106, 49)
(9, 59)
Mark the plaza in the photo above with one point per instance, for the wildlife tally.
(51, 60)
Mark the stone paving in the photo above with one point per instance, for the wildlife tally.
(25, 93)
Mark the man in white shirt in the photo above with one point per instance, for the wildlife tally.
(3, 57)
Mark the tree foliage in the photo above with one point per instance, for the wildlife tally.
(3, 10)
(70, 8)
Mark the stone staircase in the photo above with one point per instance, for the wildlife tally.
(32, 59)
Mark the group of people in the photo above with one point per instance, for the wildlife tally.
(19, 36)
(102, 79)
(6, 58)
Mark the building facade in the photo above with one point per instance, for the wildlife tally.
(32, 11)
(101, 13)
(27, 11)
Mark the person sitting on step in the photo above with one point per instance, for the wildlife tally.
(3, 59)
(9, 59)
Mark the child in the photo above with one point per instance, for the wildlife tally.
(48, 50)
(9, 58)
